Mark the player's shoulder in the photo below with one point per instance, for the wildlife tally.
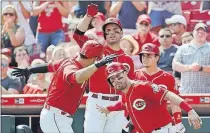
(141, 83)
(139, 72)
(167, 74)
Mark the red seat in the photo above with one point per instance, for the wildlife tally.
(197, 15)
(191, 5)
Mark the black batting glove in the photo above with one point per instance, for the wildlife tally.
(22, 72)
(105, 60)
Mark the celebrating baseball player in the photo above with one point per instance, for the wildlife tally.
(144, 101)
(67, 86)
(149, 57)
(101, 93)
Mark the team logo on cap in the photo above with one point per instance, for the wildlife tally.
(139, 104)
(110, 70)
(147, 48)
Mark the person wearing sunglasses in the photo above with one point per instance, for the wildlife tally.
(167, 49)
(12, 34)
(178, 25)
(144, 34)
(9, 84)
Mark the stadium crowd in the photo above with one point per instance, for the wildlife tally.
(41, 32)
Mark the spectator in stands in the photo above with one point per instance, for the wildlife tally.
(130, 46)
(72, 27)
(193, 61)
(12, 34)
(178, 25)
(49, 52)
(81, 7)
(167, 49)
(144, 34)
(9, 84)
(72, 50)
(128, 12)
(22, 57)
(23, 10)
(50, 22)
(96, 31)
(8, 53)
(187, 37)
(159, 11)
(37, 82)
(58, 53)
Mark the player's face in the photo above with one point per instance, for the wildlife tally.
(149, 59)
(187, 39)
(113, 34)
(119, 80)
(143, 27)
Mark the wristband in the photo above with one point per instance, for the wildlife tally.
(185, 106)
(201, 69)
(177, 117)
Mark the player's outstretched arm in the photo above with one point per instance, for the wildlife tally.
(193, 117)
(85, 73)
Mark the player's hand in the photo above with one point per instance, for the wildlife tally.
(105, 60)
(194, 119)
(180, 128)
(102, 109)
(92, 10)
(25, 72)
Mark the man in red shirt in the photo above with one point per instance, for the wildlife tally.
(67, 86)
(144, 34)
(101, 93)
(149, 57)
(144, 100)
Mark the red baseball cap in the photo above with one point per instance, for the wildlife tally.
(6, 51)
(150, 48)
(144, 17)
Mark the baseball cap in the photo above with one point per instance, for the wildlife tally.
(144, 17)
(150, 48)
(6, 51)
(201, 25)
(101, 16)
(176, 19)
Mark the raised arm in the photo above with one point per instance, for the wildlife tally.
(82, 27)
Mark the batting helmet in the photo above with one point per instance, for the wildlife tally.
(115, 68)
(91, 49)
(149, 48)
(112, 21)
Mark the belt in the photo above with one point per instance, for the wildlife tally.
(110, 98)
(56, 110)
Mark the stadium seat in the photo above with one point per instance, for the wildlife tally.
(191, 6)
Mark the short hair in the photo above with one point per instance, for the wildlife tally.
(166, 29)
(36, 62)
(21, 48)
(185, 34)
(4, 57)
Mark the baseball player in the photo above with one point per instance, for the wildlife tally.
(144, 101)
(101, 93)
(67, 87)
(149, 56)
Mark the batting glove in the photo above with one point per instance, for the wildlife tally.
(105, 60)
(92, 10)
(18, 72)
(180, 128)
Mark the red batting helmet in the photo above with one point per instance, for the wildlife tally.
(115, 68)
(149, 48)
(112, 21)
(91, 49)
